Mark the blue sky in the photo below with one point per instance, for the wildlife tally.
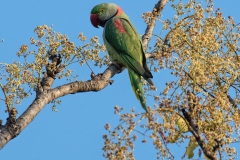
(75, 131)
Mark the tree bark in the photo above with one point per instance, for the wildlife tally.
(45, 94)
(97, 83)
(193, 128)
(156, 12)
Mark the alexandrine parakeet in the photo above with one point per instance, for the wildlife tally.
(123, 44)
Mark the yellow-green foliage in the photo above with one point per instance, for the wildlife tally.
(198, 46)
(181, 123)
(22, 78)
(191, 147)
(201, 49)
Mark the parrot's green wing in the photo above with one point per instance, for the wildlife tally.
(123, 44)
(122, 36)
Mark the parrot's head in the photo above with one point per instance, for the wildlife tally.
(101, 13)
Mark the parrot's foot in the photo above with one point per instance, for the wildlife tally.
(119, 66)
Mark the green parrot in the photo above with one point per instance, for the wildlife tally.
(123, 44)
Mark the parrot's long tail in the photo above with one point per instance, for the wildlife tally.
(137, 88)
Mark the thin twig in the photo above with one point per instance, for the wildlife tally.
(199, 85)
(164, 142)
(6, 98)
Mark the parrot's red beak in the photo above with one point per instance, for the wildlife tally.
(94, 20)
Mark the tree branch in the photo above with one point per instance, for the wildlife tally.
(232, 101)
(97, 83)
(156, 12)
(45, 94)
(193, 128)
(150, 55)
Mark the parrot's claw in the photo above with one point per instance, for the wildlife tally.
(119, 66)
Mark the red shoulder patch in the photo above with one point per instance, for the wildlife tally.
(120, 11)
(118, 24)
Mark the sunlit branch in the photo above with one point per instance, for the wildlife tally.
(156, 12)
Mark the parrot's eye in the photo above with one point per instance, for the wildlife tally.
(101, 10)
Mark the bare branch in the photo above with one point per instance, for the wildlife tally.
(97, 83)
(193, 128)
(156, 12)
(150, 55)
(45, 94)
(6, 99)
(232, 101)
